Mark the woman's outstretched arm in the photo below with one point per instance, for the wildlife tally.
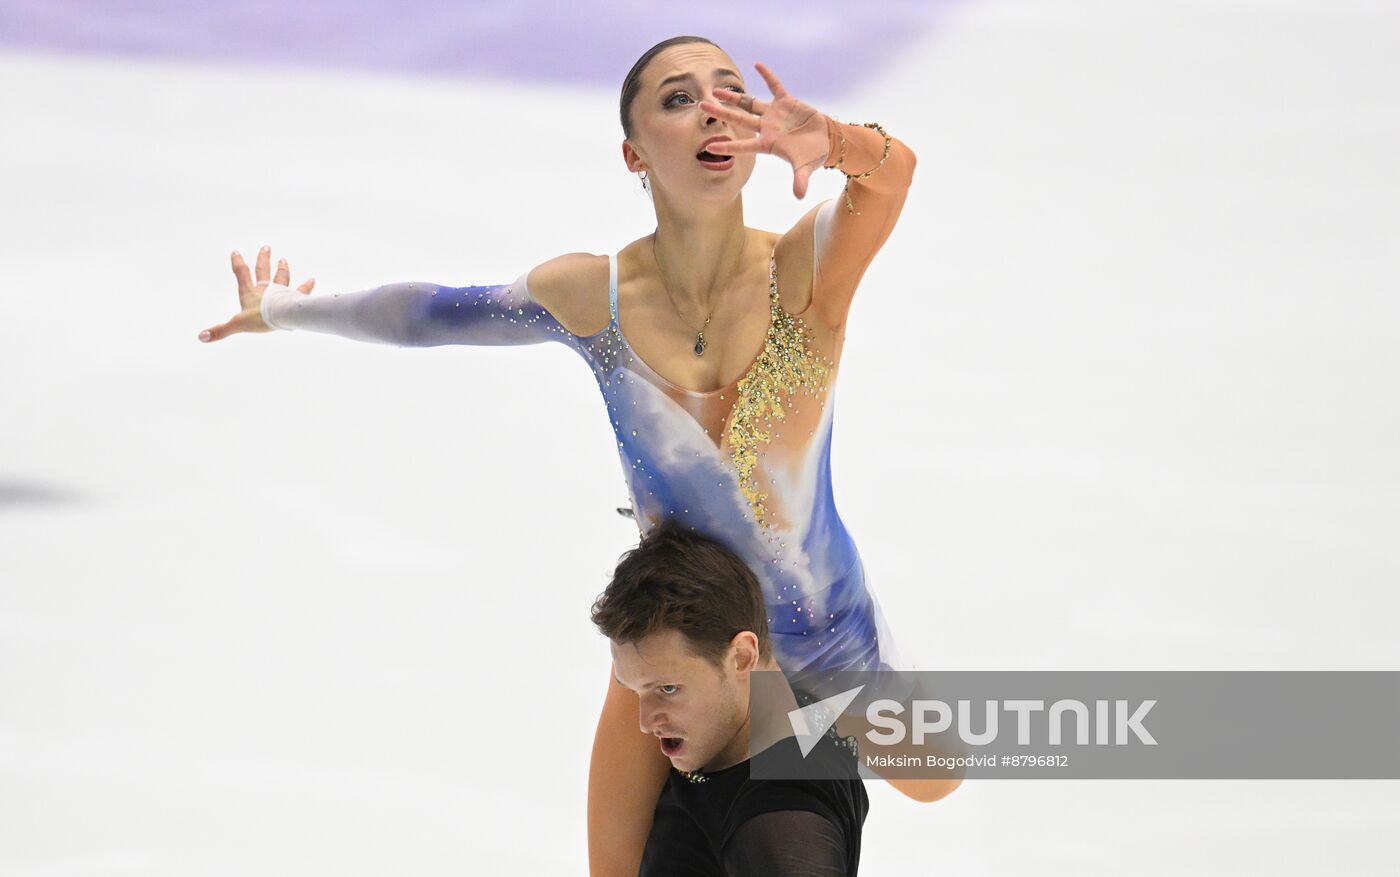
(407, 314)
(417, 314)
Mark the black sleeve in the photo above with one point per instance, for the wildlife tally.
(786, 843)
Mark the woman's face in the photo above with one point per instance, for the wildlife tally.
(669, 127)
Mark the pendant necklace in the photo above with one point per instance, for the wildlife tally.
(700, 335)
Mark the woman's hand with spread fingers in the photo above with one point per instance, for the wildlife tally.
(250, 294)
(787, 128)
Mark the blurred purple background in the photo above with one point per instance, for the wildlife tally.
(826, 45)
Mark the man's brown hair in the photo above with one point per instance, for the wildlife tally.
(679, 579)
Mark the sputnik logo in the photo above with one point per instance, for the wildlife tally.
(810, 722)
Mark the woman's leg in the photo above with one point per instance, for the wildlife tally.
(922, 790)
(625, 778)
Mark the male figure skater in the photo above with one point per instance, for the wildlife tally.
(687, 625)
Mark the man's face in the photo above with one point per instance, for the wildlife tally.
(693, 708)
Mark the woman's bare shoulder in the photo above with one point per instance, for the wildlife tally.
(574, 289)
(794, 252)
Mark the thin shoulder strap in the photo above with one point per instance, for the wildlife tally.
(773, 274)
(612, 287)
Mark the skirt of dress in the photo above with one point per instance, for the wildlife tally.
(856, 637)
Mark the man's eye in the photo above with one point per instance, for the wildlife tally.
(664, 687)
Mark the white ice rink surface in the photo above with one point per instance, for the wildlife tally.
(1119, 393)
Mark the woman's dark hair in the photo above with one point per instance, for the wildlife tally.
(633, 82)
(679, 579)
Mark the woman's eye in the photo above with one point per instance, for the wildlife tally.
(664, 687)
(676, 94)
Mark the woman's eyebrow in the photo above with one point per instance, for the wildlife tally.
(681, 77)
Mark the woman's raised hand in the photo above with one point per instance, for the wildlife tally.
(787, 128)
(250, 293)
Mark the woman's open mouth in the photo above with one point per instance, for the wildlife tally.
(715, 162)
(670, 746)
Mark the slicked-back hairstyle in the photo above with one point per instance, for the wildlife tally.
(633, 82)
(679, 579)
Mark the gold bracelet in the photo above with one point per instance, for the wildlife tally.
(850, 208)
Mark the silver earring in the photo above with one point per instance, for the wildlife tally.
(643, 175)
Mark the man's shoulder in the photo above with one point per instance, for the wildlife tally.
(826, 780)
(830, 757)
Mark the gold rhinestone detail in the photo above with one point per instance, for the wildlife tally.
(786, 363)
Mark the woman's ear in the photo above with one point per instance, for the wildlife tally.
(632, 158)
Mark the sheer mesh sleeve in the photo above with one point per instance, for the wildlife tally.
(846, 242)
(786, 843)
(418, 314)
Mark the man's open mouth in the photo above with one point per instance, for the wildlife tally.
(670, 745)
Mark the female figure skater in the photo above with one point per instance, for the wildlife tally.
(716, 348)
